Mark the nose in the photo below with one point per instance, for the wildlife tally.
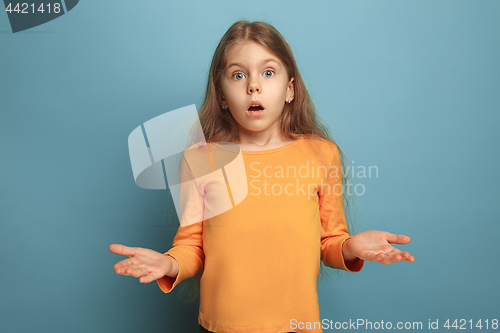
(253, 86)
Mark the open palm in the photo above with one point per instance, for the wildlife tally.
(145, 264)
(375, 245)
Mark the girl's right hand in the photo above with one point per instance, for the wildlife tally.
(145, 264)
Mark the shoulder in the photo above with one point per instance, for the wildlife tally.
(325, 151)
(326, 146)
(196, 158)
(196, 153)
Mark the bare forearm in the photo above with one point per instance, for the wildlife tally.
(174, 267)
(349, 257)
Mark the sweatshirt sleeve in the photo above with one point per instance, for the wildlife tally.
(187, 250)
(187, 246)
(333, 223)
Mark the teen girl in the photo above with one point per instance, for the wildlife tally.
(261, 259)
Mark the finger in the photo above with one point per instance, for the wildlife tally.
(391, 259)
(149, 278)
(126, 262)
(410, 258)
(397, 239)
(405, 256)
(134, 271)
(122, 249)
(405, 253)
(395, 255)
(140, 268)
(393, 250)
(372, 256)
(125, 270)
(387, 258)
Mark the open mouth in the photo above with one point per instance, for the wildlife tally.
(255, 109)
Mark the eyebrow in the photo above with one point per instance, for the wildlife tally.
(265, 61)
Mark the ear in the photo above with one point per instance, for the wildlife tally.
(222, 101)
(290, 90)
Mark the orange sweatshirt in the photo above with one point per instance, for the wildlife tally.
(261, 259)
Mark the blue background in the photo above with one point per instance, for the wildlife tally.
(411, 87)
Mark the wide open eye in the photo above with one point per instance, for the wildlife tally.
(239, 76)
(268, 73)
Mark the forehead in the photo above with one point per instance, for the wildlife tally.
(249, 53)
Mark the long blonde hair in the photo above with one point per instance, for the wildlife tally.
(298, 119)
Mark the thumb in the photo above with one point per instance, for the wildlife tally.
(397, 239)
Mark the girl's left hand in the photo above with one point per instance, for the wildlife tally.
(374, 245)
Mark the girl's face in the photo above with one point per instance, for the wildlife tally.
(255, 76)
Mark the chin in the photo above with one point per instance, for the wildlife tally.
(254, 128)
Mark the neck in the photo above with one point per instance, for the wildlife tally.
(268, 137)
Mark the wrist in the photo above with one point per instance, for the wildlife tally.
(173, 266)
(347, 253)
